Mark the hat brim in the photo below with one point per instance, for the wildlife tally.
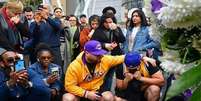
(132, 67)
(2, 51)
(99, 52)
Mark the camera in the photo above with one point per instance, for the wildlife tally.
(40, 7)
(19, 65)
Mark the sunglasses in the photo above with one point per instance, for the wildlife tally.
(12, 59)
(45, 57)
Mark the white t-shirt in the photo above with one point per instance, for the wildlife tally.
(132, 38)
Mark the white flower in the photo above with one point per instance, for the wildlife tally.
(170, 62)
(180, 13)
(176, 14)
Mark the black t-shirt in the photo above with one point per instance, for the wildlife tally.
(91, 67)
(150, 68)
(133, 90)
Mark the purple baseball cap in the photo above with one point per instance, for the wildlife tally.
(94, 47)
(132, 60)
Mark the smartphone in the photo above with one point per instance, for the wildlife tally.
(19, 65)
(40, 7)
(99, 94)
(55, 71)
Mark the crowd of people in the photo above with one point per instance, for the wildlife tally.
(70, 59)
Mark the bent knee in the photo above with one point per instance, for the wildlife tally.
(108, 96)
(69, 97)
(153, 89)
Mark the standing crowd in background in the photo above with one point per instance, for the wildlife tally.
(45, 57)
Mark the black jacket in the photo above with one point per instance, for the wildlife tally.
(9, 38)
(115, 36)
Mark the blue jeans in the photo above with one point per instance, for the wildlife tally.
(108, 80)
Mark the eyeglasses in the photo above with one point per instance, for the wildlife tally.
(45, 57)
(12, 59)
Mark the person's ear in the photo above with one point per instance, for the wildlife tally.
(38, 59)
(52, 59)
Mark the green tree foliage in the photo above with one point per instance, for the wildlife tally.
(32, 3)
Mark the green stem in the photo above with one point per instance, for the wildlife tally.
(185, 55)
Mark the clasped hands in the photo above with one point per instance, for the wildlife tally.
(20, 78)
(110, 46)
(130, 76)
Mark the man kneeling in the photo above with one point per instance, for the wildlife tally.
(85, 75)
(138, 79)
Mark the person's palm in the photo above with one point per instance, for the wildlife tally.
(51, 79)
(15, 19)
(114, 44)
(129, 76)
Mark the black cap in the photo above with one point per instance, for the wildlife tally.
(83, 15)
(106, 9)
(2, 51)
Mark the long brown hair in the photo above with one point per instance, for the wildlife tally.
(142, 17)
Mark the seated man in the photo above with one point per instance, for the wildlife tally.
(19, 85)
(13, 85)
(84, 76)
(138, 78)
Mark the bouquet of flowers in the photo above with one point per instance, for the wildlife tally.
(179, 24)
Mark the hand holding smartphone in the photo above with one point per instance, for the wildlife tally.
(40, 7)
(55, 71)
(19, 65)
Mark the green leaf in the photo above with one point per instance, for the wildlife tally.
(185, 81)
(196, 94)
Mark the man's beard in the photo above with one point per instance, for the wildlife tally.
(94, 61)
(8, 70)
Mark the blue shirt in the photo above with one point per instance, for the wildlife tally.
(142, 40)
(43, 75)
(47, 31)
(6, 92)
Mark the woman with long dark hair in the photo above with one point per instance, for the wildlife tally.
(138, 37)
(86, 33)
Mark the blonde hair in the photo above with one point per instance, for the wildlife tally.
(14, 6)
